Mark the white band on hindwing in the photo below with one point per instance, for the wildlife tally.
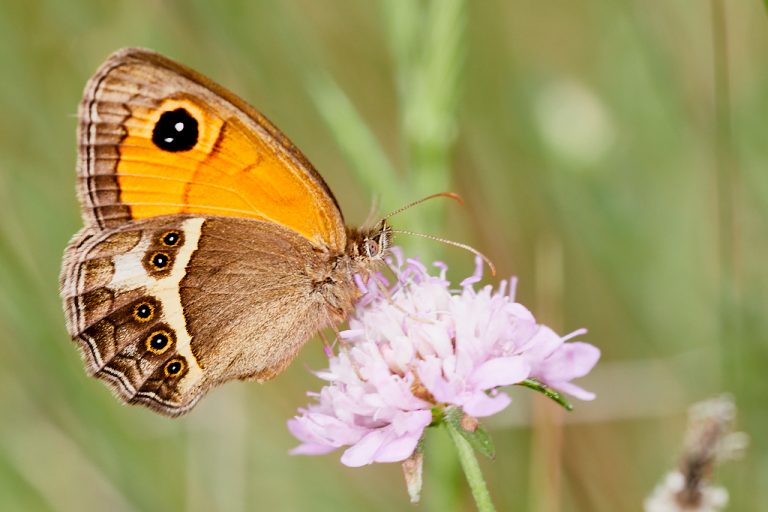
(130, 273)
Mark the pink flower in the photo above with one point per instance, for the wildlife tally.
(419, 346)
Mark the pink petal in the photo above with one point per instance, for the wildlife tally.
(385, 445)
(364, 451)
(542, 344)
(571, 360)
(298, 427)
(477, 276)
(500, 371)
(480, 404)
(311, 443)
(415, 421)
(398, 449)
(430, 374)
(311, 449)
(573, 390)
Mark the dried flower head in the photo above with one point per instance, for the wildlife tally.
(665, 497)
(709, 439)
(417, 347)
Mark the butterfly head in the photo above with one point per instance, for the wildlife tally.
(372, 243)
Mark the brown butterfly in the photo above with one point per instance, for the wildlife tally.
(212, 249)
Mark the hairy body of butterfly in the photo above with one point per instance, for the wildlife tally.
(212, 250)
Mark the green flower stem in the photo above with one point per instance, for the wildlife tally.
(471, 469)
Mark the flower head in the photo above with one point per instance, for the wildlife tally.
(420, 346)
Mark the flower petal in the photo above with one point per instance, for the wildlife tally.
(500, 371)
(573, 390)
(311, 449)
(398, 449)
(570, 361)
(481, 405)
(364, 451)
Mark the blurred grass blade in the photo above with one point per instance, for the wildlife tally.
(58, 469)
(404, 20)
(356, 140)
(427, 44)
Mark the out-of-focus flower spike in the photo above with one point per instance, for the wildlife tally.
(708, 440)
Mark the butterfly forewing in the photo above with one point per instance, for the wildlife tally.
(156, 138)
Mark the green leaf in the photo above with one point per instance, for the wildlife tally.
(547, 391)
(478, 437)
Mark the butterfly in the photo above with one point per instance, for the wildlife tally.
(211, 250)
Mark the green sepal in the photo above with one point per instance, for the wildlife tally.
(437, 416)
(547, 391)
(479, 439)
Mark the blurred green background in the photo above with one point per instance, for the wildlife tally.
(612, 155)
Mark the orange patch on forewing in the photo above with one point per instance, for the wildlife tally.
(152, 181)
(231, 171)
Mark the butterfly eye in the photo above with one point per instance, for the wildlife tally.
(175, 367)
(159, 341)
(176, 130)
(171, 238)
(143, 312)
(371, 248)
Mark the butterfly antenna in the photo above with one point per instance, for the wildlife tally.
(449, 195)
(451, 242)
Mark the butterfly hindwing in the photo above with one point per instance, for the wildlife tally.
(120, 291)
(255, 292)
(165, 308)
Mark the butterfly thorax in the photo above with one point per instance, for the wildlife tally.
(366, 248)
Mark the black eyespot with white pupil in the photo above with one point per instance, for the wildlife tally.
(160, 260)
(176, 130)
(174, 367)
(143, 311)
(171, 238)
(159, 341)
